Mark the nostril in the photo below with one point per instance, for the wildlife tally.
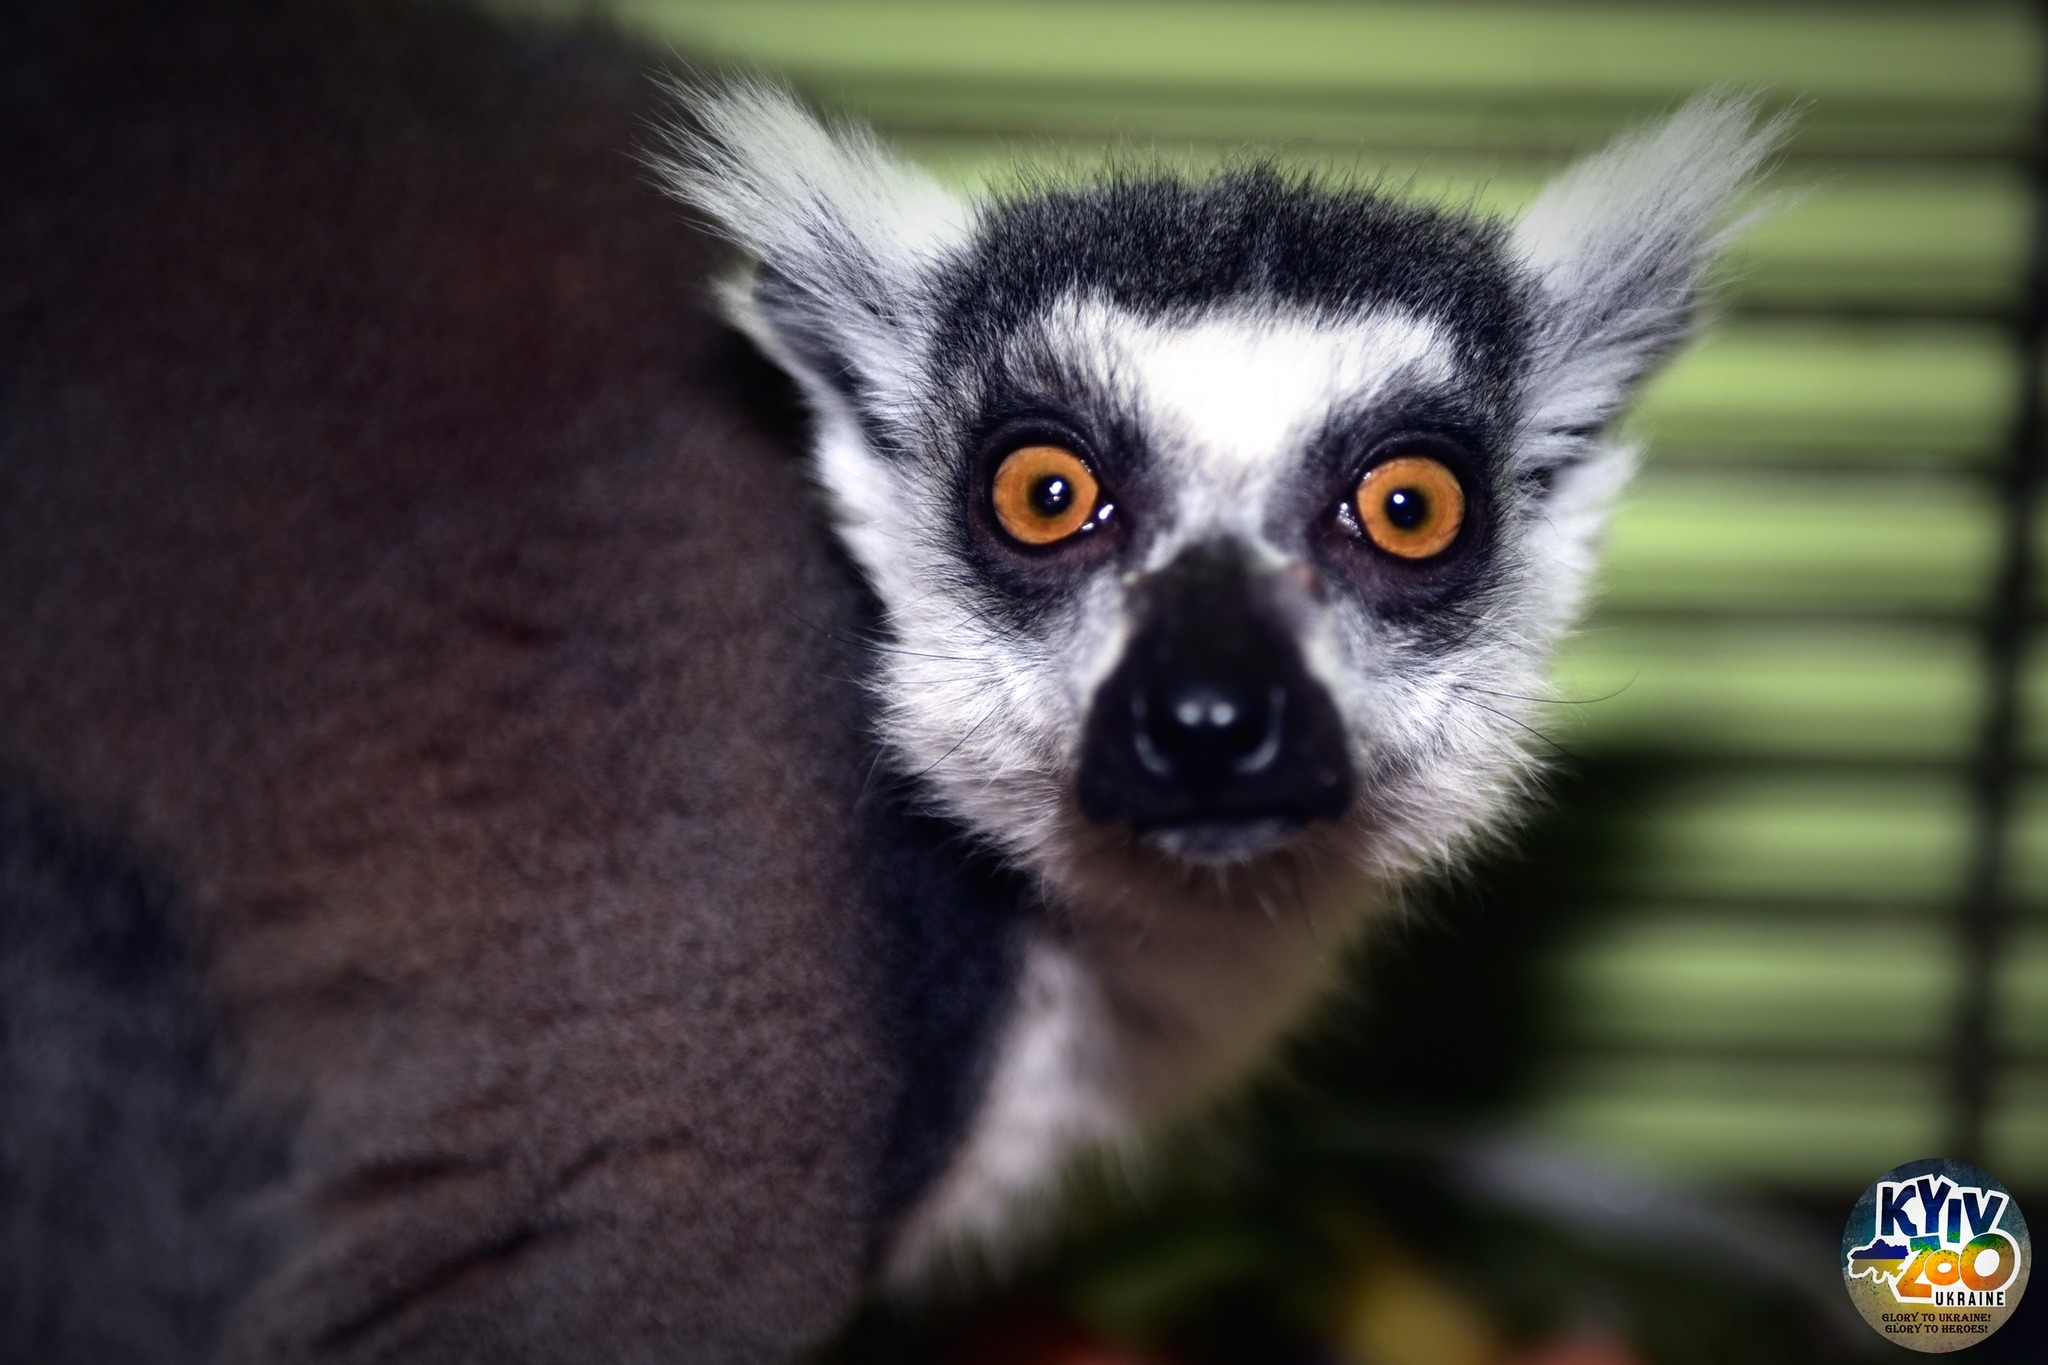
(1204, 730)
(1261, 755)
(1204, 710)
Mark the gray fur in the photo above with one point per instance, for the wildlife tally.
(126, 1232)
(1620, 246)
(400, 557)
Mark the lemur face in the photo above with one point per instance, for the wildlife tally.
(1213, 523)
(1216, 481)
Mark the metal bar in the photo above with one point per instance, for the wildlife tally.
(1987, 910)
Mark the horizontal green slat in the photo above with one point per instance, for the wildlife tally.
(1979, 57)
(1848, 389)
(1791, 1121)
(1697, 980)
(1854, 984)
(1770, 540)
(1905, 236)
(1831, 840)
(1833, 690)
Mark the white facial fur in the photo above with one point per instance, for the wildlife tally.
(991, 719)
(1152, 982)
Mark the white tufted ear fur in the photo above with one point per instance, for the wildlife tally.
(845, 234)
(1620, 244)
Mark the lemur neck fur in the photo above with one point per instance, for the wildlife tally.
(1136, 1004)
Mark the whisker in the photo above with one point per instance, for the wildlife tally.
(1518, 721)
(1603, 790)
(1295, 875)
(878, 646)
(1552, 701)
(867, 783)
(987, 716)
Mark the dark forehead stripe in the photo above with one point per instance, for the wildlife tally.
(1160, 245)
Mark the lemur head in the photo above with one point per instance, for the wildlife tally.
(1219, 525)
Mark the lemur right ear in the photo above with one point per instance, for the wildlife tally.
(1619, 245)
(845, 234)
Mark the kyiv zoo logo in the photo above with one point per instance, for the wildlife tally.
(1936, 1255)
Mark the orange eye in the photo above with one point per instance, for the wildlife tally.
(1044, 494)
(1411, 506)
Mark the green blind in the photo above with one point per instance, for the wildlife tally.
(1803, 586)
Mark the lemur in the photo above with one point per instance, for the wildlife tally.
(543, 817)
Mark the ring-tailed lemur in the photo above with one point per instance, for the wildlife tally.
(484, 875)
(1222, 529)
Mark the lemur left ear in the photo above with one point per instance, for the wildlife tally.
(1619, 245)
(846, 235)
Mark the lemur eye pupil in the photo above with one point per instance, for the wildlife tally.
(1044, 494)
(1411, 506)
(1407, 508)
(1051, 496)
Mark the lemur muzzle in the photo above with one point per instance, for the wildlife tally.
(1211, 719)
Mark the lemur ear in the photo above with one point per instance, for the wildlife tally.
(1619, 245)
(845, 234)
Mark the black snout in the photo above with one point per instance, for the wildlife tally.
(1204, 729)
(1210, 735)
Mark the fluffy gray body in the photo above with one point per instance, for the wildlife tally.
(405, 574)
(487, 873)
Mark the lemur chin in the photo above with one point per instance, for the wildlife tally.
(542, 822)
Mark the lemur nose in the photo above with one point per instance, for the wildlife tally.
(1209, 729)
(1211, 737)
